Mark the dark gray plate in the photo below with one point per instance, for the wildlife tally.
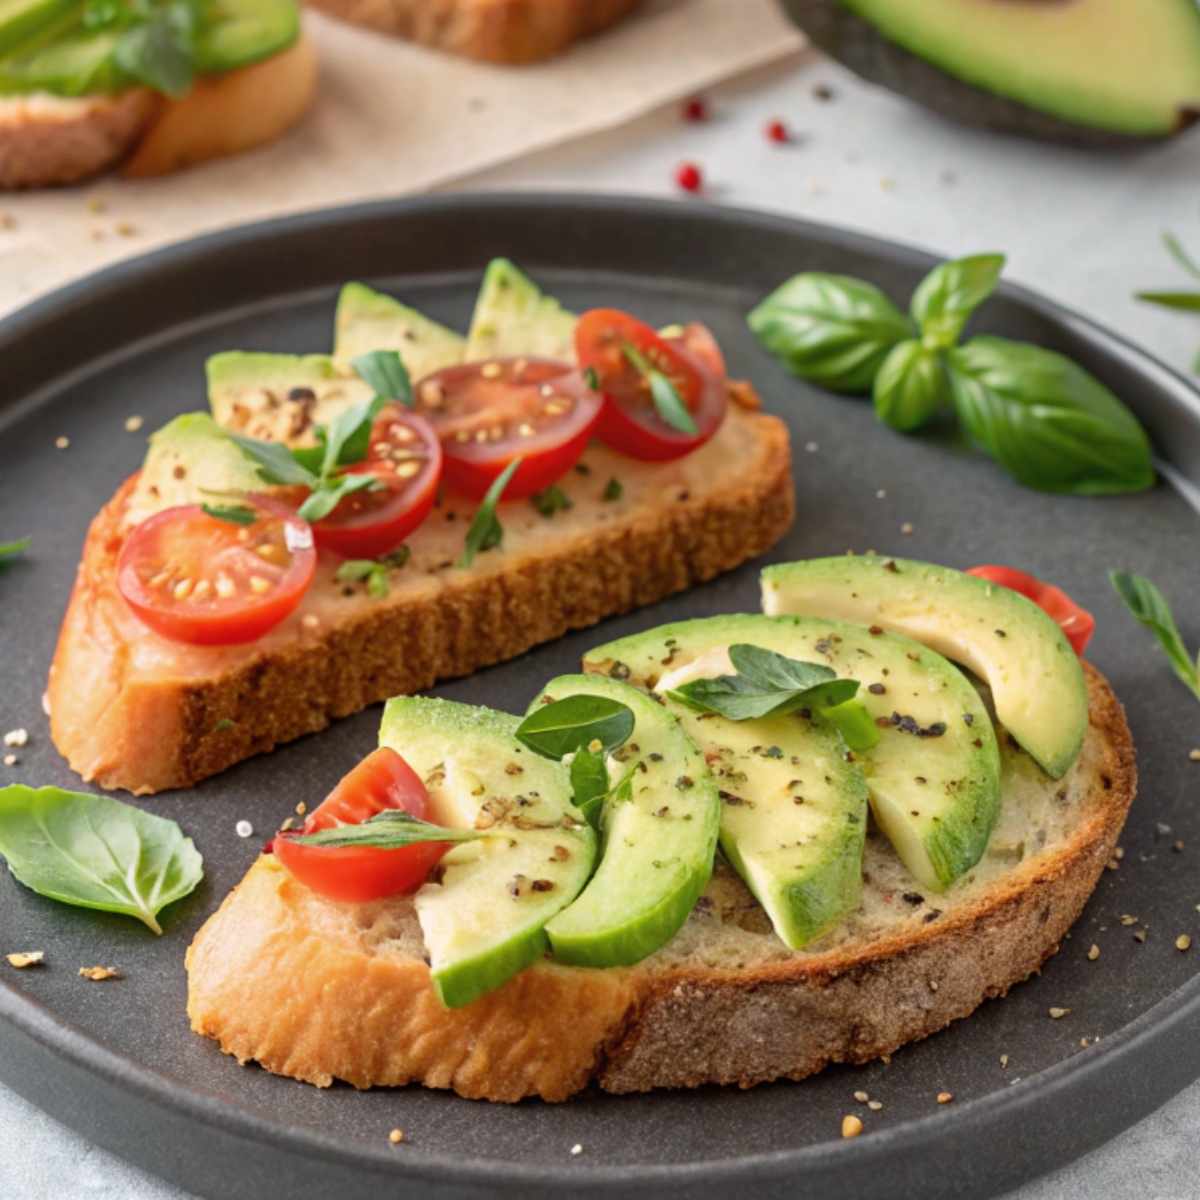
(117, 1061)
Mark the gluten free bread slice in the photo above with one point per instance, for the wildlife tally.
(323, 991)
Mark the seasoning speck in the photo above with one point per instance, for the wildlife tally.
(861, 1097)
(16, 737)
(851, 1126)
(10, 760)
(811, 447)
(1093, 952)
(1003, 1061)
(875, 1105)
(301, 809)
(576, 1149)
(1056, 1014)
(244, 829)
(945, 1097)
(99, 974)
(61, 443)
(126, 229)
(1194, 755)
(906, 528)
(26, 958)
(396, 1136)
(133, 424)
(1183, 942)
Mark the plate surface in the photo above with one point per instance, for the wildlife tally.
(117, 1060)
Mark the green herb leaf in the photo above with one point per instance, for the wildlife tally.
(347, 438)
(667, 402)
(589, 782)
(856, 725)
(576, 723)
(1149, 606)
(96, 852)
(832, 330)
(1187, 301)
(392, 829)
(1047, 421)
(161, 51)
(385, 372)
(275, 462)
(1180, 255)
(592, 378)
(485, 531)
(236, 514)
(950, 293)
(331, 492)
(911, 387)
(12, 549)
(552, 500)
(612, 490)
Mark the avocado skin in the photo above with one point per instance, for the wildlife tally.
(861, 48)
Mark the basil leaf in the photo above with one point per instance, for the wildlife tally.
(1047, 421)
(331, 492)
(237, 514)
(552, 500)
(1180, 255)
(667, 401)
(1149, 606)
(485, 531)
(950, 293)
(589, 782)
(832, 330)
(385, 372)
(768, 669)
(96, 852)
(856, 725)
(576, 723)
(275, 462)
(161, 52)
(911, 387)
(1187, 301)
(348, 436)
(392, 829)
(12, 549)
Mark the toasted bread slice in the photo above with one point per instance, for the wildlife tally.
(322, 991)
(130, 709)
(500, 31)
(47, 140)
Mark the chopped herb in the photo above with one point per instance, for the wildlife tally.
(667, 401)
(612, 490)
(486, 532)
(385, 372)
(552, 500)
(391, 829)
(223, 724)
(592, 379)
(1149, 606)
(12, 549)
(373, 570)
(237, 514)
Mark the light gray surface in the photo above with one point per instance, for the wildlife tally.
(1082, 228)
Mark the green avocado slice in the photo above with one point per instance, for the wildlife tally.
(659, 837)
(236, 33)
(21, 20)
(1035, 678)
(513, 317)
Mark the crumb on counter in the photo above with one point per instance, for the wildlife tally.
(61, 443)
(852, 1126)
(133, 424)
(26, 958)
(17, 737)
(396, 1136)
(861, 1097)
(244, 829)
(1057, 1014)
(875, 1105)
(11, 760)
(1093, 952)
(1183, 942)
(576, 1149)
(945, 1097)
(906, 528)
(99, 974)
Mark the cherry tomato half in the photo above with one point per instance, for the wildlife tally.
(1077, 623)
(383, 780)
(406, 457)
(629, 421)
(488, 413)
(196, 578)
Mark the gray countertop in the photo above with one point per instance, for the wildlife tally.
(1081, 227)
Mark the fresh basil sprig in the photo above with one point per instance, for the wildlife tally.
(96, 852)
(832, 330)
(392, 829)
(950, 293)
(12, 549)
(1149, 606)
(667, 401)
(485, 531)
(235, 514)
(384, 371)
(1178, 300)
(911, 387)
(160, 50)
(1049, 423)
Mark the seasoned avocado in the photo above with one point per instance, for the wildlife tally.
(67, 63)
(513, 317)
(1092, 71)
(660, 834)
(20, 20)
(189, 460)
(279, 397)
(236, 33)
(368, 320)
(1036, 681)
(933, 777)
(483, 918)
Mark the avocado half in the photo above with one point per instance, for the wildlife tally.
(1091, 72)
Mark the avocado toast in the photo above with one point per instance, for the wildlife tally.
(813, 942)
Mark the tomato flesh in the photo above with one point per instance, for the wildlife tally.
(489, 413)
(405, 456)
(196, 578)
(382, 781)
(1075, 621)
(630, 422)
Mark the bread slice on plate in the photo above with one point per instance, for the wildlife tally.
(500, 31)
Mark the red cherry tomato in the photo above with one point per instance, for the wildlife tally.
(1077, 623)
(196, 578)
(630, 423)
(699, 340)
(383, 780)
(488, 413)
(405, 455)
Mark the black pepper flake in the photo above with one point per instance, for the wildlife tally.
(913, 898)
(969, 718)
(543, 885)
(932, 915)
(731, 798)
(773, 752)
(654, 756)
(876, 689)
(1001, 633)
(619, 670)
(684, 782)
(875, 630)
(890, 565)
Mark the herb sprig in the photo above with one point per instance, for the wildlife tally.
(1149, 606)
(12, 549)
(235, 514)
(667, 401)
(1181, 301)
(375, 571)
(392, 829)
(485, 531)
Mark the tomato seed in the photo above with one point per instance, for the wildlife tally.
(689, 177)
(259, 585)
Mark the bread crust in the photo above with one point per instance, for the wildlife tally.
(46, 141)
(282, 977)
(122, 729)
(499, 31)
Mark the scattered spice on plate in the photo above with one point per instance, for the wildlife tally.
(778, 132)
(17, 737)
(695, 109)
(1004, 1062)
(1093, 952)
(576, 1149)
(875, 1105)
(10, 760)
(133, 424)
(906, 528)
(851, 1126)
(823, 92)
(244, 829)
(1056, 1014)
(1183, 942)
(99, 974)
(945, 1097)
(396, 1136)
(689, 177)
(61, 443)
(861, 1097)
(26, 958)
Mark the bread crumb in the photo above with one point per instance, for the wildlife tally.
(99, 974)
(1003, 1061)
(851, 1126)
(1057, 1014)
(906, 528)
(10, 760)
(97, 204)
(1093, 952)
(861, 1097)
(61, 443)
(16, 737)
(812, 448)
(1194, 755)
(874, 1105)
(1139, 935)
(7, 221)
(26, 958)
(133, 424)
(244, 829)
(301, 809)
(127, 229)
(1183, 942)
(945, 1097)
(396, 1136)
(576, 1149)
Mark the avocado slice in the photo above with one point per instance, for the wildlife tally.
(369, 320)
(933, 777)
(1035, 678)
(67, 62)
(793, 802)
(279, 397)
(190, 461)
(483, 919)
(21, 20)
(236, 33)
(513, 317)
(659, 839)
(1089, 71)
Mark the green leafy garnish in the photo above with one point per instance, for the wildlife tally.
(375, 571)
(236, 514)
(96, 852)
(667, 401)
(392, 829)
(950, 293)
(1150, 607)
(385, 372)
(1179, 300)
(552, 500)
(581, 722)
(160, 51)
(612, 490)
(911, 387)
(12, 549)
(592, 378)
(589, 783)
(485, 531)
